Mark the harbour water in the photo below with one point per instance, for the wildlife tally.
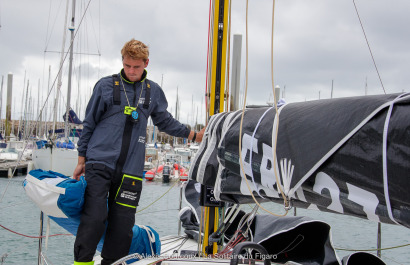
(19, 214)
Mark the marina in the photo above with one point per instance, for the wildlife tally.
(296, 180)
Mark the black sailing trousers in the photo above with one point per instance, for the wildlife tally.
(102, 182)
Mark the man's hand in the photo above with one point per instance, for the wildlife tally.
(199, 135)
(80, 168)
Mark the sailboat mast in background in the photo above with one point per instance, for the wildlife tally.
(60, 73)
(70, 69)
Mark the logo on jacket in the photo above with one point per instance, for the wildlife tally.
(142, 101)
(141, 139)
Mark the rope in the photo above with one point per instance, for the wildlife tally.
(239, 235)
(230, 246)
(375, 249)
(176, 182)
(184, 240)
(241, 125)
(276, 117)
(176, 209)
(32, 236)
(5, 190)
(13, 205)
(392, 260)
(368, 45)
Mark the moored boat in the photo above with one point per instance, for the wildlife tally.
(167, 172)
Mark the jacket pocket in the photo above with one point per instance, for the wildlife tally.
(129, 192)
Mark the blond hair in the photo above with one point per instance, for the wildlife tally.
(135, 49)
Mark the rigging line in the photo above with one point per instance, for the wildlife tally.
(48, 36)
(236, 238)
(276, 130)
(14, 170)
(65, 57)
(13, 205)
(46, 44)
(171, 240)
(384, 257)
(247, 219)
(176, 182)
(5, 190)
(241, 124)
(95, 35)
(12, 231)
(45, 259)
(157, 211)
(374, 249)
(180, 245)
(368, 45)
(289, 247)
(76, 53)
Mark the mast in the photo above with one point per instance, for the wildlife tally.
(22, 104)
(176, 116)
(1, 104)
(218, 40)
(331, 91)
(176, 107)
(60, 72)
(196, 118)
(236, 72)
(46, 118)
(24, 123)
(192, 109)
(8, 105)
(38, 122)
(70, 70)
(219, 56)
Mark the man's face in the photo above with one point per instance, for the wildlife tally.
(134, 68)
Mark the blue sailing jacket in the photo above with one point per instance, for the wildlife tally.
(104, 123)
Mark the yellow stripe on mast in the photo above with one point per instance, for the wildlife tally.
(217, 77)
(219, 56)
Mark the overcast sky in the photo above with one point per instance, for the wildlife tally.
(315, 42)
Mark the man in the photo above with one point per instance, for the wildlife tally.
(111, 153)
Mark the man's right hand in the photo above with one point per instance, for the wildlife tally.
(80, 168)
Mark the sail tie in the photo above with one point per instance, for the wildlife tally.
(384, 155)
(251, 151)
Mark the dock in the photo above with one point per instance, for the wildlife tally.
(7, 168)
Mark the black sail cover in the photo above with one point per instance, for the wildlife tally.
(347, 155)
